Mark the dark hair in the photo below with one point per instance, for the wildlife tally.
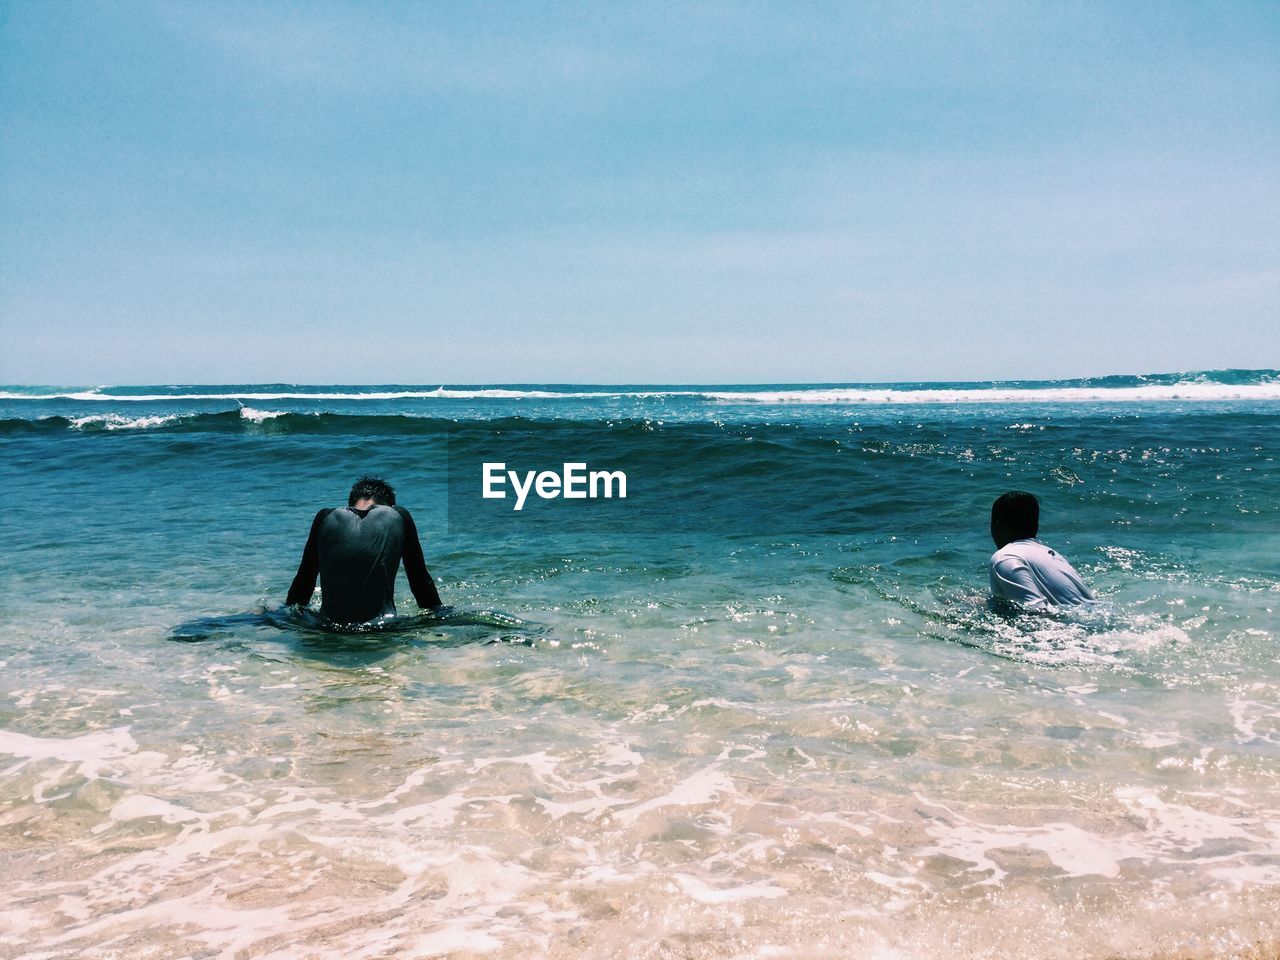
(375, 488)
(1015, 516)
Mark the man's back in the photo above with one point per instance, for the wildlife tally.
(1030, 573)
(359, 558)
(356, 551)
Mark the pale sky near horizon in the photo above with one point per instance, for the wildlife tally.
(650, 193)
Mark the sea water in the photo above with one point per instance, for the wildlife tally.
(759, 708)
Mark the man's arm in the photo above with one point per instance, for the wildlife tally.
(415, 566)
(304, 582)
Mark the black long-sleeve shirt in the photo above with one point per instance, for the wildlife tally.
(356, 554)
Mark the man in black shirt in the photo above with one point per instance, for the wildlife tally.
(356, 550)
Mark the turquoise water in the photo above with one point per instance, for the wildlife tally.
(758, 708)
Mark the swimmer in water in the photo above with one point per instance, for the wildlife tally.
(1023, 569)
(356, 551)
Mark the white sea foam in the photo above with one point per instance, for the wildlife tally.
(1191, 391)
(118, 421)
(258, 416)
(1247, 713)
(1169, 833)
(495, 393)
(705, 893)
(89, 752)
(1155, 392)
(700, 788)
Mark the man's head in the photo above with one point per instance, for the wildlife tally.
(373, 489)
(1014, 516)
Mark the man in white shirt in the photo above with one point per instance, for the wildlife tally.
(1023, 569)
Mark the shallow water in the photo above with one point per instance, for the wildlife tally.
(652, 730)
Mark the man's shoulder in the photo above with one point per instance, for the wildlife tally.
(1032, 553)
(388, 515)
(1012, 553)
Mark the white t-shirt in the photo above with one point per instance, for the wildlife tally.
(1029, 573)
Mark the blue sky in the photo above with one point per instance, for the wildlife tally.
(746, 192)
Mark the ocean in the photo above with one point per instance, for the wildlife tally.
(759, 707)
